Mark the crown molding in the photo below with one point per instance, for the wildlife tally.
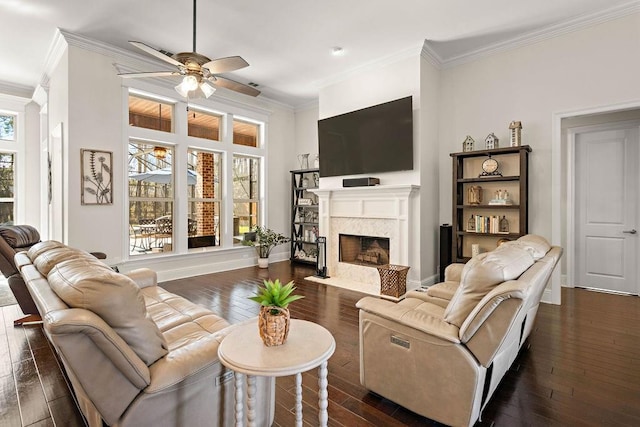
(367, 66)
(41, 95)
(545, 33)
(16, 91)
(430, 55)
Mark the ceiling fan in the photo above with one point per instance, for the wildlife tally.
(199, 74)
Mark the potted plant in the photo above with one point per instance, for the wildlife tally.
(274, 318)
(266, 239)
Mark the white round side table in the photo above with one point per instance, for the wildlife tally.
(308, 346)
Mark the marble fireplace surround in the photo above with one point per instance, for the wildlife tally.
(383, 211)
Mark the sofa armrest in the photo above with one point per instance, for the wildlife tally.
(79, 321)
(184, 362)
(407, 315)
(453, 272)
(143, 277)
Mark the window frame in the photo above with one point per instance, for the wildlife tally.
(182, 142)
(218, 199)
(12, 199)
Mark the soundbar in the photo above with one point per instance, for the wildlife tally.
(360, 182)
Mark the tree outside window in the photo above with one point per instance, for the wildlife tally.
(7, 127)
(151, 198)
(246, 193)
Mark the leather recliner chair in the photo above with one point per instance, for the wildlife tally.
(14, 239)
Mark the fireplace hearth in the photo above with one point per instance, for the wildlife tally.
(363, 250)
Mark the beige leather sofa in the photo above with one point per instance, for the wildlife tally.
(443, 352)
(136, 354)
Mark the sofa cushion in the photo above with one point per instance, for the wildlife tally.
(481, 274)
(115, 298)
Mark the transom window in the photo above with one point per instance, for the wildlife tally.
(150, 114)
(203, 124)
(245, 133)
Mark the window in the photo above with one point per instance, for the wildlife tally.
(220, 155)
(246, 193)
(7, 127)
(203, 125)
(150, 114)
(245, 133)
(203, 180)
(7, 180)
(151, 198)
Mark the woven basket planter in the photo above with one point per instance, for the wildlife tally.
(273, 328)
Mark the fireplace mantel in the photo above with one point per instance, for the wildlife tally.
(381, 210)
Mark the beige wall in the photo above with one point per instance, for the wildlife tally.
(592, 67)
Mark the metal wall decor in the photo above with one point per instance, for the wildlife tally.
(97, 176)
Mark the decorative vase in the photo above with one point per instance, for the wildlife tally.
(263, 262)
(303, 159)
(273, 328)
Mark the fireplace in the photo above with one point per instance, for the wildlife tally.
(363, 250)
(388, 212)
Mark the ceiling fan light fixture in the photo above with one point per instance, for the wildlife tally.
(207, 89)
(189, 83)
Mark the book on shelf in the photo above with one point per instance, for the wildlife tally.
(486, 224)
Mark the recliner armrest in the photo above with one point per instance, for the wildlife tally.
(181, 363)
(453, 272)
(407, 315)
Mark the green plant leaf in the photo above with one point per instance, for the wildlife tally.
(273, 293)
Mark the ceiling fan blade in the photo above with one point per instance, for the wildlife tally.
(225, 65)
(149, 74)
(156, 53)
(235, 86)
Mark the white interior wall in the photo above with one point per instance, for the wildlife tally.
(429, 161)
(32, 153)
(592, 67)
(86, 95)
(95, 122)
(58, 116)
(371, 87)
(306, 121)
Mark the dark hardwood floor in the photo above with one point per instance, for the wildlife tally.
(582, 367)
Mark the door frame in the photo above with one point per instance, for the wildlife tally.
(559, 170)
(571, 273)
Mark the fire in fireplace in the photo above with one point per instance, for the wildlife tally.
(363, 250)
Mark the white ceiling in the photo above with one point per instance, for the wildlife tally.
(287, 42)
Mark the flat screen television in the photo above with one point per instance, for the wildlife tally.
(372, 140)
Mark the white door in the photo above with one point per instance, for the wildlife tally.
(606, 208)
